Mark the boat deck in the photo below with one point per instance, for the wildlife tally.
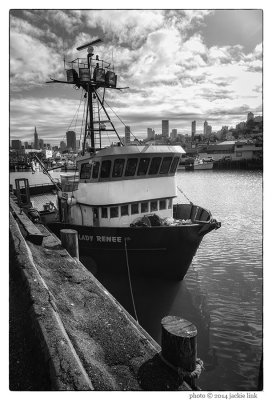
(38, 201)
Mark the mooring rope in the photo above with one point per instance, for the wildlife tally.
(130, 285)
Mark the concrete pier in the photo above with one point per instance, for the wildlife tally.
(87, 340)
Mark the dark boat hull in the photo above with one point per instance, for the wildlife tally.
(156, 251)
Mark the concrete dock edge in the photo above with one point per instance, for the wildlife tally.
(89, 341)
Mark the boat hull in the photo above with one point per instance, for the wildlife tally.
(157, 251)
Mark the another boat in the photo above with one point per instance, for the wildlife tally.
(195, 164)
(122, 202)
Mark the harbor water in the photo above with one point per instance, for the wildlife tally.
(222, 291)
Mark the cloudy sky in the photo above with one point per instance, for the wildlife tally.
(180, 65)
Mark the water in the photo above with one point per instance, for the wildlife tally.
(222, 291)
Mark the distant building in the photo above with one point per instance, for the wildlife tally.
(208, 130)
(71, 140)
(26, 145)
(150, 134)
(16, 144)
(78, 145)
(205, 128)
(174, 134)
(165, 128)
(259, 118)
(193, 130)
(62, 146)
(250, 116)
(127, 134)
(40, 145)
(36, 139)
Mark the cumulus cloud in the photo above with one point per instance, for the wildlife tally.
(161, 55)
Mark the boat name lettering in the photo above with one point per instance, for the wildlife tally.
(112, 239)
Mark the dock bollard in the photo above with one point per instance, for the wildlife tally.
(69, 240)
(179, 348)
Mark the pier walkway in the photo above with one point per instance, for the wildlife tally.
(82, 337)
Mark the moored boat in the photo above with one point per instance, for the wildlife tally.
(122, 202)
(195, 164)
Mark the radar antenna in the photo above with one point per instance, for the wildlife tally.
(84, 46)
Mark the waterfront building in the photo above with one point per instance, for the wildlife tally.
(127, 134)
(36, 139)
(150, 134)
(233, 150)
(193, 130)
(71, 140)
(16, 144)
(165, 128)
(250, 116)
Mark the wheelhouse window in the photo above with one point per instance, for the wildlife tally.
(144, 207)
(174, 165)
(154, 166)
(85, 172)
(118, 167)
(131, 166)
(104, 212)
(162, 204)
(105, 169)
(143, 166)
(124, 210)
(165, 165)
(170, 203)
(95, 169)
(153, 205)
(114, 212)
(134, 208)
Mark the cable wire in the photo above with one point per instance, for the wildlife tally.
(130, 285)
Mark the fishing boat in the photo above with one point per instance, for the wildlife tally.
(122, 203)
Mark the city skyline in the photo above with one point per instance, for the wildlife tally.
(179, 65)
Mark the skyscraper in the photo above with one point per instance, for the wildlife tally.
(71, 140)
(150, 134)
(165, 128)
(36, 139)
(205, 128)
(127, 134)
(193, 130)
(16, 144)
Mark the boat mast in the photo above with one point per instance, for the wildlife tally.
(90, 104)
(91, 76)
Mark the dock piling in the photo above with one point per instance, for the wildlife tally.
(69, 240)
(179, 347)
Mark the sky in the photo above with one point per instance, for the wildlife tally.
(180, 65)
